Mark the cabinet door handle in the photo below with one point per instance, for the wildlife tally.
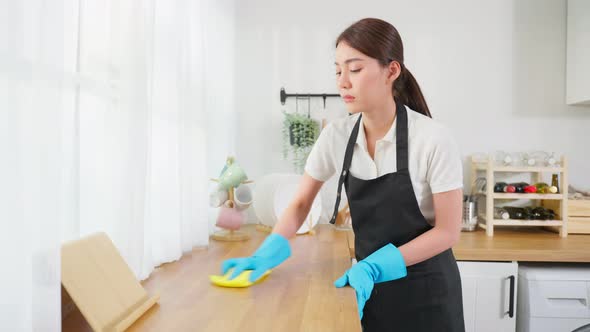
(511, 302)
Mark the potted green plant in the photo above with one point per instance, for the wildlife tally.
(299, 134)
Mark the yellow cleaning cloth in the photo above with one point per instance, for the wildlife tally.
(238, 282)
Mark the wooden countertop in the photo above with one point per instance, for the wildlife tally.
(517, 244)
(299, 295)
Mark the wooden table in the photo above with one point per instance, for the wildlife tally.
(517, 244)
(299, 295)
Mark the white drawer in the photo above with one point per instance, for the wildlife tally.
(562, 299)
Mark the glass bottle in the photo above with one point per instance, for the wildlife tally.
(519, 186)
(542, 187)
(528, 159)
(515, 212)
(551, 160)
(503, 158)
(499, 187)
(501, 213)
(555, 182)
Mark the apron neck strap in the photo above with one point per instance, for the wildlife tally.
(346, 165)
(401, 137)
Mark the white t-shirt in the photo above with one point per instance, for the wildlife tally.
(434, 161)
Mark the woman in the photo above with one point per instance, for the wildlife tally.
(403, 179)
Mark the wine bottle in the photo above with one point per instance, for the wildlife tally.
(530, 189)
(509, 188)
(534, 212)
(500, 213)
(515, 212)
(542, 187)
(541, 213)
(499, 187)
(549, 214)
(554, 182)
(519, 186)
(528, 213)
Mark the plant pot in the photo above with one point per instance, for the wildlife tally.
(299, 135)
(299, 141)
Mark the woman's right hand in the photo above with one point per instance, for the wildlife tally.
(275, 248)
(273, 251)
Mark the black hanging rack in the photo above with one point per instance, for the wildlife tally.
(285, 95)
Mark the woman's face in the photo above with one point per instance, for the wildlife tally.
(363, 83)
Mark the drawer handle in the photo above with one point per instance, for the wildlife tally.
(562, 300)
(511, 303)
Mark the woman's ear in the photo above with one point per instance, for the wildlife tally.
(393, 71)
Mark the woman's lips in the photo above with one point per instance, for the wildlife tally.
(348, 99)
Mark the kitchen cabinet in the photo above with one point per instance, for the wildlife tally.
(578, 53)
(489, 295)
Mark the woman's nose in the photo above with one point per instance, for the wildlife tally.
(343, 81)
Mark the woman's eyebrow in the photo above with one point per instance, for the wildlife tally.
(350, 60)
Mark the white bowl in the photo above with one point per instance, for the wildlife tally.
(274, 193)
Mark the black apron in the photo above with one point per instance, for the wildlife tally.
(384, 210)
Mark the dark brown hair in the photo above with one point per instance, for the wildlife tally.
(380, 40)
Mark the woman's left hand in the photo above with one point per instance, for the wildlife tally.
(359, 278)
(385, 264)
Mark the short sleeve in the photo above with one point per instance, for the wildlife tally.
(445, 169)
(320, 163)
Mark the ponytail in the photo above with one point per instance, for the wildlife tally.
(407, 91)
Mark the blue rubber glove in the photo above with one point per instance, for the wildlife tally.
(273, 251)
(385, 264)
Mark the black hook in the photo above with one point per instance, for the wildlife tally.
(283, 96)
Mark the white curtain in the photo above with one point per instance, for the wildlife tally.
(144, 125)
(113, 115)
(31, 87)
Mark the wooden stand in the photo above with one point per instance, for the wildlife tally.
(230, 235)
(101, 284)
(488, 222)
(264, 228)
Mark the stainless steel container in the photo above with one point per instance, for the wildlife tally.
(469, 213)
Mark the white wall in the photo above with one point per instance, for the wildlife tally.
(578, 50)
(493, 71)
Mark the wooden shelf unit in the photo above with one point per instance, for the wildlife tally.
(525, 196)
(487, 221)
